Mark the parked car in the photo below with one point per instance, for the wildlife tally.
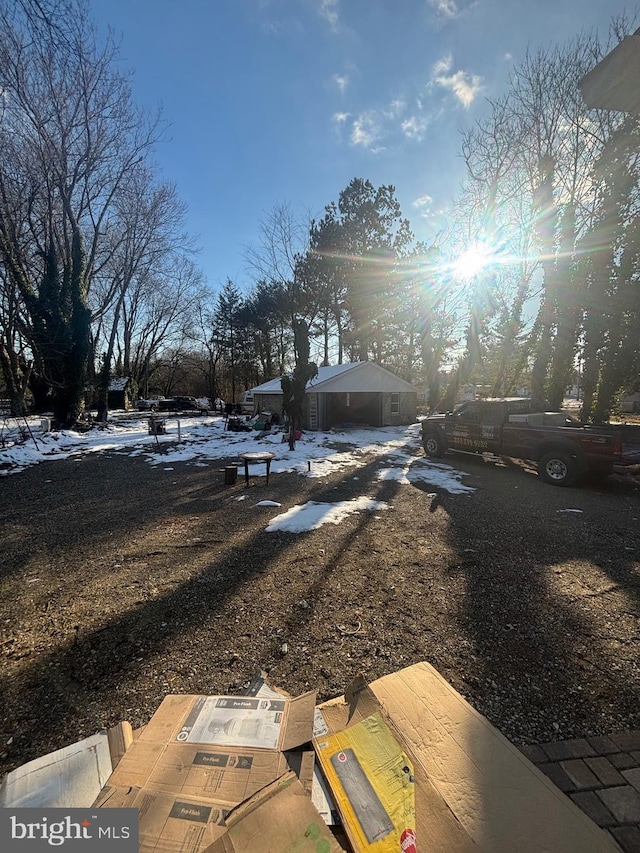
(184, 404)
(152, 404)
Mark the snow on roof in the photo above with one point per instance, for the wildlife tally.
(354, 377)
(119, 383)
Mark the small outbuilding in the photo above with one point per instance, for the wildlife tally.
(120, 393)
(360, 393)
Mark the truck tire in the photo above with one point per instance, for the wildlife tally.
(557, 468)
(433, 445)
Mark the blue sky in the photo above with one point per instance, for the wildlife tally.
(273, 102)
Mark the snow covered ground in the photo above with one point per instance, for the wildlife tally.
(201, 441)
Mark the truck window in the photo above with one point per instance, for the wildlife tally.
(468, 414)
(494, 415)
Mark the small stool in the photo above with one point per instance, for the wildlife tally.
(249, 458)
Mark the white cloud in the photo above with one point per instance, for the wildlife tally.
(465, 86)
(341, 82)
(414, 127)
(329, 11)
(365, 130)
(445, 8)
(423, 201)
(424, 206)
(340, 118)
(449, 10)
(442, 66)
(396, 108)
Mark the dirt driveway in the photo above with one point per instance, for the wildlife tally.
(121, 582)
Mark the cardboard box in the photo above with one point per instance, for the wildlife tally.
(169, 822)
(223, 748)
(279, 819)
(372, 779)
(70, 777)
(473, 789)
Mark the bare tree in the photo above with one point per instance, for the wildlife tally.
(70, 141)
(149, 220)
(531, 168)
(157, 316)
(283, 239)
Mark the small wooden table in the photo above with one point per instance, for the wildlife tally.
(249, 458)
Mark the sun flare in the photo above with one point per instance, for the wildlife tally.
(472, 261)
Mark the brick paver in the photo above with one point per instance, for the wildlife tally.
(603, 745)
(623, 802)
(601, 774)
(594, 808)
(534, 753)
(623, 761)
(565, 749)
(628, 837)
(580, 774)
(633, 777)
(605, 771)
(627, 741)
(557, 776)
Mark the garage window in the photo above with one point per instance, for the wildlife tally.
(395, 403)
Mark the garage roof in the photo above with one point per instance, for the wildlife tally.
(613, 83)
(355, 377)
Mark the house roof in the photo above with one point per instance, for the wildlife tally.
(359, 376)
(119, 383)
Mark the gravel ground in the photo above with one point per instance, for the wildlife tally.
(121, 582)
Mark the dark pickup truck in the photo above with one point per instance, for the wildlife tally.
(562, 447)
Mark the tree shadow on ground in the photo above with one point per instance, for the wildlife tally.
(202, 627)
(548, 601)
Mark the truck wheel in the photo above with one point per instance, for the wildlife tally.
(153, 408)
(433, 445)
(557, 469)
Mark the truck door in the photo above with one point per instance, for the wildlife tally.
(493, 417)
(465, 432)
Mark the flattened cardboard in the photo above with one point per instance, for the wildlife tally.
(192, 770)
(120, 739)
(195, 719)
(169, 823)
(279, 819)
(474, 789)
(70, 777)
(165, 758)
(299, 724)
